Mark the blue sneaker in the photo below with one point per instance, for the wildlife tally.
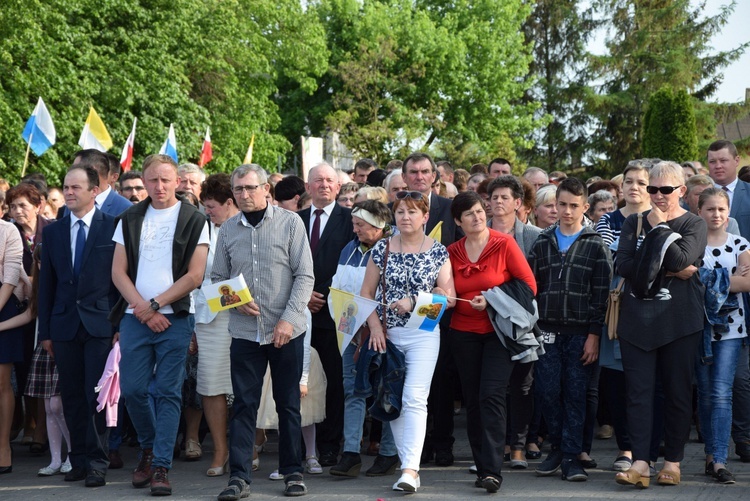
(572, 471)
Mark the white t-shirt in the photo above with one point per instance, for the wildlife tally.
(155, 253)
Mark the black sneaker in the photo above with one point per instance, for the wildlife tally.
(550, 465)
(383, 465)
(236, 490)
(349, 465)
(572, 471)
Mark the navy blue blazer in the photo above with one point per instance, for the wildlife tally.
(741, 207)
(66, 302)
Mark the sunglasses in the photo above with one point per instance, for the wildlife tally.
(414, 195)
(665, 190)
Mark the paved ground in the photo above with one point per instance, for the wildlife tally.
(454, 483)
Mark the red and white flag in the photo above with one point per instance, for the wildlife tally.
(206, 153)
(126, 158)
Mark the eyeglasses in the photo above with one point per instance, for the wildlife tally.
(665, 190)
(414, 195)
(238, 190)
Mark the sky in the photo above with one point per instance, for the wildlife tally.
(735, 32)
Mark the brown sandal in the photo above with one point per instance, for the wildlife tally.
(632, 477)
(668, 477)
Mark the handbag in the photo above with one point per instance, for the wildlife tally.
(612, 317)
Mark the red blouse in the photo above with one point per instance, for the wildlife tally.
(500, 261)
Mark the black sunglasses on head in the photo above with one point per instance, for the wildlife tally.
(665, 190)
(415, 195)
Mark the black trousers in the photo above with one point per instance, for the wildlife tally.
(673, 365)
(330, 432)
(442, 393)
(80, 363)
(484, 366)
(520, 405)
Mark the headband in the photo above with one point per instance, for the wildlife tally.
(369, 217)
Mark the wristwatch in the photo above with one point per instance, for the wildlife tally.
(155, 305)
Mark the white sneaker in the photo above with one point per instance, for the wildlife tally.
(406, 483)
(312, 466)
(473, 468)
(48, 471)
(66, 466)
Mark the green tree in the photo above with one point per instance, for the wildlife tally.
(651, 44)
(669, 126)
(407, 75)
(558, 32)
(193, 63)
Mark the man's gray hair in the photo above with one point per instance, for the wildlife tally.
(244, 169)
(189, 168)
(534, 170)
(389, 178)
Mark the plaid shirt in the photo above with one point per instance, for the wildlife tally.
(275, 259)
(573, 291)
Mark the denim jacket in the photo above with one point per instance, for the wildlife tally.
(384, 373)
(718, 303)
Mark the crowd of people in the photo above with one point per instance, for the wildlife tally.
(106, 334)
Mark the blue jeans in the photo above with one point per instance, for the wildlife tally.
(159, 358)
(561, 379)
(715, 397)
(354, 411)
(249, 362)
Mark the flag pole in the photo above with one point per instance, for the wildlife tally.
(26, 158)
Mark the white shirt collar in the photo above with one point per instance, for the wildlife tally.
(327, 209)
(731, 186)
(102, 196)
(86, 218)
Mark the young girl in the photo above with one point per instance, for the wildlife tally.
(42, 382)
(730, 252)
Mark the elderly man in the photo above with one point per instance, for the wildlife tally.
(268, 246)
(536, 176)
(329, 227)
(191, 177)
(394, 183)
(160, 257)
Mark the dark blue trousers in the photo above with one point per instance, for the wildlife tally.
(561, 379)
(249, 361)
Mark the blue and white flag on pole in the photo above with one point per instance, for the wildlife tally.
(170, 145)
(427, 312)
(39, 131)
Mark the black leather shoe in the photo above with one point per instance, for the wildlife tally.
(443, 458)
(383, 465)
(95, 478)
(349, 465)
(76, 474)
(724, 476)
(328, 459)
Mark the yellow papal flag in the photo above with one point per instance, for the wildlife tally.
(249, 155)
(94, 134)
(437, 232)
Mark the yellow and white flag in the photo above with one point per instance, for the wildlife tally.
(95, 135)
(437, 232)
(227, 294)
(249, 155)
(349, 312)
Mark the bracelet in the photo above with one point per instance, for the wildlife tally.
(413, 302)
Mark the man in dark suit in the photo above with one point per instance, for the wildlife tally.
(108, 200)
(329, 227)
(76, 294)
(723, 162)
(420, 173)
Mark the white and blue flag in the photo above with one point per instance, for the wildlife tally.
(427, 311)
(170, 145)
(39, 131)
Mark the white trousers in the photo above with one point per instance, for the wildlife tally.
(421, 351)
